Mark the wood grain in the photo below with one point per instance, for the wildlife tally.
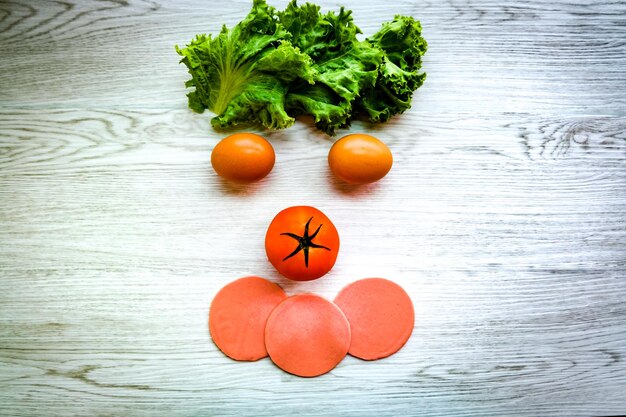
(503, 217)
(529, 56)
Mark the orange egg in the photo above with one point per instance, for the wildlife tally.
(243, 157)
(359, 159)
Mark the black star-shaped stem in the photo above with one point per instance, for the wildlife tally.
(305, 242)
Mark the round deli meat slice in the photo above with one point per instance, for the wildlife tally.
(307, 335)
(238, 315)
(381, 317)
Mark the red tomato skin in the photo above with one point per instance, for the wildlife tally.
(278, 246)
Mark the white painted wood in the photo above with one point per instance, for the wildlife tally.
(503, 217)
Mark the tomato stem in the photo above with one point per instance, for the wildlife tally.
(305, 242)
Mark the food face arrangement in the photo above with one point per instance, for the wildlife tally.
(265, 71)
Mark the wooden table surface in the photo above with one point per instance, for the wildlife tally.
(504, 217)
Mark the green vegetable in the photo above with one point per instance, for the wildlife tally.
(398, 76)
(273, 66)
(243, 74)
(345, 66)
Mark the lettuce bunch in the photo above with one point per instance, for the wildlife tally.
(273, 66)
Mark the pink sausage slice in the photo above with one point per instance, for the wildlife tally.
(238, 315)
(381, 317)
(307, 335)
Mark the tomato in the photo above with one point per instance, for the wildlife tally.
(302, 243)
(359, 159)
(243, 157)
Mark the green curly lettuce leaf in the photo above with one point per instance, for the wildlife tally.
(399, 75)
(273, 66)
(243, 74)
(344, 65)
